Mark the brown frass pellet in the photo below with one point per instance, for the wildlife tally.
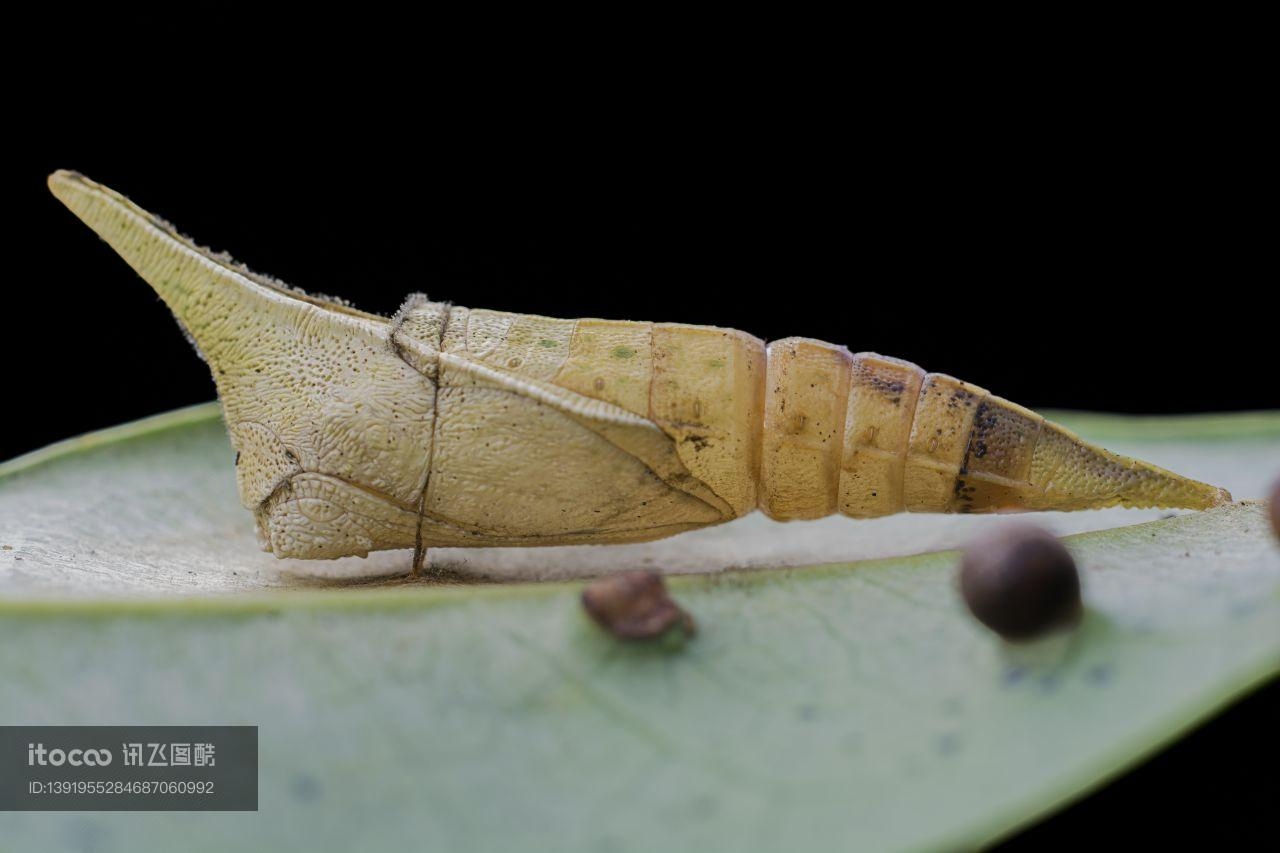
(1020, 582)
(635, 606)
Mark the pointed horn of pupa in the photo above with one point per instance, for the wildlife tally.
(202, 288)
(307, 385)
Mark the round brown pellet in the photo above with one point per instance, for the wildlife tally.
(1020, 582)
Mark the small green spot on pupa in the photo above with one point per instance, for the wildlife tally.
(716, 362)
(623, 352)
(546, 343)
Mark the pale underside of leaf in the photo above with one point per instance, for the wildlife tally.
(151, 509)
(837, 707)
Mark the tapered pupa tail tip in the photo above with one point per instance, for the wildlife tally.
(1017, 460)
(1080, 475)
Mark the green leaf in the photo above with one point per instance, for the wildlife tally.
(852, 706)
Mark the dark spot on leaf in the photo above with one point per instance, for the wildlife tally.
(1099, 675)
(1048, 682)
(306, 788)
(1014, 675)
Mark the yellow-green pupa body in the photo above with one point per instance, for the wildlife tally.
(449, 426)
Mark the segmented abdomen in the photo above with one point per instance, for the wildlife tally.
(868, 435)
(803, 428)
(800, 429)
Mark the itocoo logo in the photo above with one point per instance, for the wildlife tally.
(37, 754)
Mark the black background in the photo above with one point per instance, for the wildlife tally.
(1103, 248)
(1104, 261)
